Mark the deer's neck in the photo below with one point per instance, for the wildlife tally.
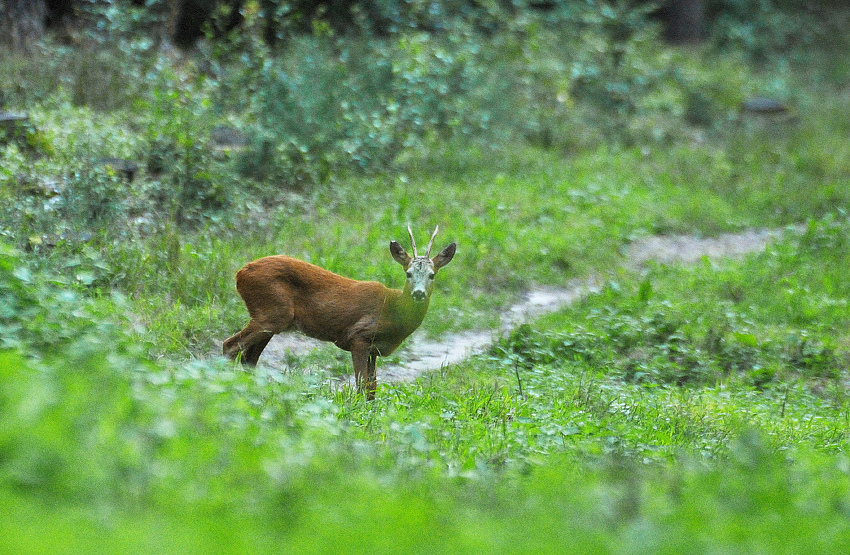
(405, 311)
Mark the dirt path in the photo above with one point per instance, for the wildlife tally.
(420, 354)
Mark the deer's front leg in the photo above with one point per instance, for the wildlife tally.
(360, 359)
(372, 383)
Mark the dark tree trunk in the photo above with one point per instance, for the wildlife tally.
(685, 21)
(21, 23)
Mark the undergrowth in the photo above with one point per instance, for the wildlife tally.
(535, 431)
(764, 320)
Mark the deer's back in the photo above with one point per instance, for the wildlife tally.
(316, 301)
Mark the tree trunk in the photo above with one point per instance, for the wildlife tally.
(685, 21)
(21, 23)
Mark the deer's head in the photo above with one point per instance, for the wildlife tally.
(421, 270)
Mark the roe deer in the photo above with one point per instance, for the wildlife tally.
(363, 317)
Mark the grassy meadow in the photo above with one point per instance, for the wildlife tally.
(680, 409)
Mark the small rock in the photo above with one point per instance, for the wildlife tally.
(760, 105)
(12, 125)
(125, 168)
(227, 138)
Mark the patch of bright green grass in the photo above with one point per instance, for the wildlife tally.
(519, 450)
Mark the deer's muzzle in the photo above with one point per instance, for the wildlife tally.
(419, 296)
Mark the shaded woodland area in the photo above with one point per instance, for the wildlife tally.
(184, 21)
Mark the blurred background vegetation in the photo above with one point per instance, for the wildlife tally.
(311, 89)
(161, 117)
(315, 88)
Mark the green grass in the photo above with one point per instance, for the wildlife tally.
(520, 215)
(548, 442)
(556, 220)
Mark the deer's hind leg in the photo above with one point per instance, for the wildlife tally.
(249, 342)
(267, 320)
(252, 354)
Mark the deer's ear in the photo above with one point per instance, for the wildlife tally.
(399, 254)
(444, 257)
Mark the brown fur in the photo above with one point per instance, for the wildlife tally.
(364, 317)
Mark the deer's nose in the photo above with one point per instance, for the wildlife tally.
(419, 296)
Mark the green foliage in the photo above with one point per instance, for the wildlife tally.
(171, 455)
(762, 28)
(189, 183)
(41, 313)
(761, 320)
(333, 103)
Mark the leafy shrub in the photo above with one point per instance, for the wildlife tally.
(72, 211)
(336, 104)
(40, 315)
(365, 101)
(762, 28)
(188, 181)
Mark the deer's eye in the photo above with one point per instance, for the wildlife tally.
(409, 275)
(431, 275)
